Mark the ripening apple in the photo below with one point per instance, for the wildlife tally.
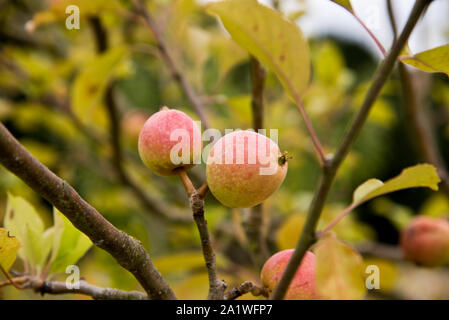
(425, 241)
(169, 139)
(244, 168)
(303, 285)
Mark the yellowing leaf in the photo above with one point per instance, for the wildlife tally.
(89, 86)
(433, 60)
(339, 271)
(266, 34)
(290, 231)
(421, 175)
(8, 249)
(69, 244)
(365, 188)
(24, 222)
(228, 53)
(345, 4)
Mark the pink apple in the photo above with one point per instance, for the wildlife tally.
(169, 140)
(244, 168)
(303, 286)
(426, 241)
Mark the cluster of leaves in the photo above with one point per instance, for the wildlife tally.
(42, 251)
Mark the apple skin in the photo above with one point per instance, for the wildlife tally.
(425, 241)
(240, 184)
(155, 144)
(303, 285)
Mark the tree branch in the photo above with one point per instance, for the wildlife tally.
(128, 251)
(417, 109)
(254, 219)
(58, 287)
(332, 165)
(97, 293)
(244, 288)
(216, 286)
(195, 101)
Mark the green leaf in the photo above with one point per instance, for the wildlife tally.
(23, 221)
(345, 4)
(339, 271)
(90, 84)
(275, 41)
(421, 175)
(8, 249)
(69, 244)
(433, 60)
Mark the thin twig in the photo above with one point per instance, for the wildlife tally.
(371, 34)
(97, 293)
(315, 140)
(128, 251)
(11, 281)
(15, 280)
(188, 185)
(332, 165)
(338, 218)
(82, 287)
(216, 286)
(177, 75)
(203, 190)
(151, 204)
(244, 288)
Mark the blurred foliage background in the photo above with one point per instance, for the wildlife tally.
(52, 87)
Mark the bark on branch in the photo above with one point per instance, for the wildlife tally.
(196, 198)
(128, 251)
(97, 293)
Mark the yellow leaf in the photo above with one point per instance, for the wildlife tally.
(23, 221)
(433, 60)
(89, 86)
(266, 34)
(339, 271)
(290, 231)
(345, 4)
(365, 188)
(8, 249)
(421, 175)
